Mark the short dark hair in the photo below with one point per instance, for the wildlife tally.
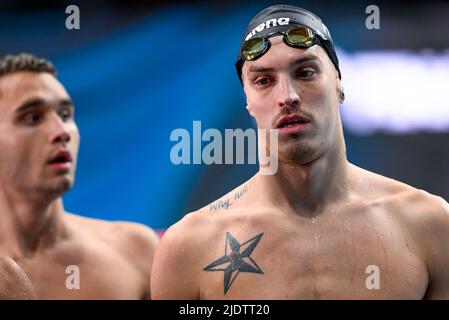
(12, 63)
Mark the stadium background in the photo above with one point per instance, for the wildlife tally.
(138, 70)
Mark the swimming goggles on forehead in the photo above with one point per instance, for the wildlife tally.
(296, 37)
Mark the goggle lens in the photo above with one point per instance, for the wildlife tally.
(300, 37)
(253, 48)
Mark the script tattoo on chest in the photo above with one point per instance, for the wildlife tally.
(223, 204)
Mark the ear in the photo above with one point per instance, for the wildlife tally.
(250, 110)
(340, 91)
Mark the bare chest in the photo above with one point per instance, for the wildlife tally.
(354, 259)
(87, 275)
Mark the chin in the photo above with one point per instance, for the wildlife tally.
(57, 188)
(298, 152)
(65, 185)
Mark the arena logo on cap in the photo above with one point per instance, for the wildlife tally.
(268, 24)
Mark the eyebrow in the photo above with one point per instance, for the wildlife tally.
(304, 59)
(38, 102)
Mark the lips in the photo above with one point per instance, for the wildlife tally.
(61, 157)
(291, 121)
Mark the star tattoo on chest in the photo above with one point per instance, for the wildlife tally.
(237, 258)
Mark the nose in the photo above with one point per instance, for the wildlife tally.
(58, 131)
(288, 95)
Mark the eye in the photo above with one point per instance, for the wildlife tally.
(65, 114)
(262, 81)
(305, 73)
(32, 118)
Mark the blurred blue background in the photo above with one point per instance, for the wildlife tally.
(136, 71)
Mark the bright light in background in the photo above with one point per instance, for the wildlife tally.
(395, 92)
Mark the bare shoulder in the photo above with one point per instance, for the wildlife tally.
(417, 208)
(135, 241)
(427, 219)
(179, 257)
(14, 283)
(430, 212)
(419, 211)
(191, 230)
(405, 196)
(135, 236)
(185, 247)
(427, 204)
(423, 219)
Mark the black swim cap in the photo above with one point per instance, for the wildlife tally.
(280, 18)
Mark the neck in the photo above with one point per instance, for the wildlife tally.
(29, 223)
(309, 188)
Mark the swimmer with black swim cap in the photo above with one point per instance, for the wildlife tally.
(319, 227)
